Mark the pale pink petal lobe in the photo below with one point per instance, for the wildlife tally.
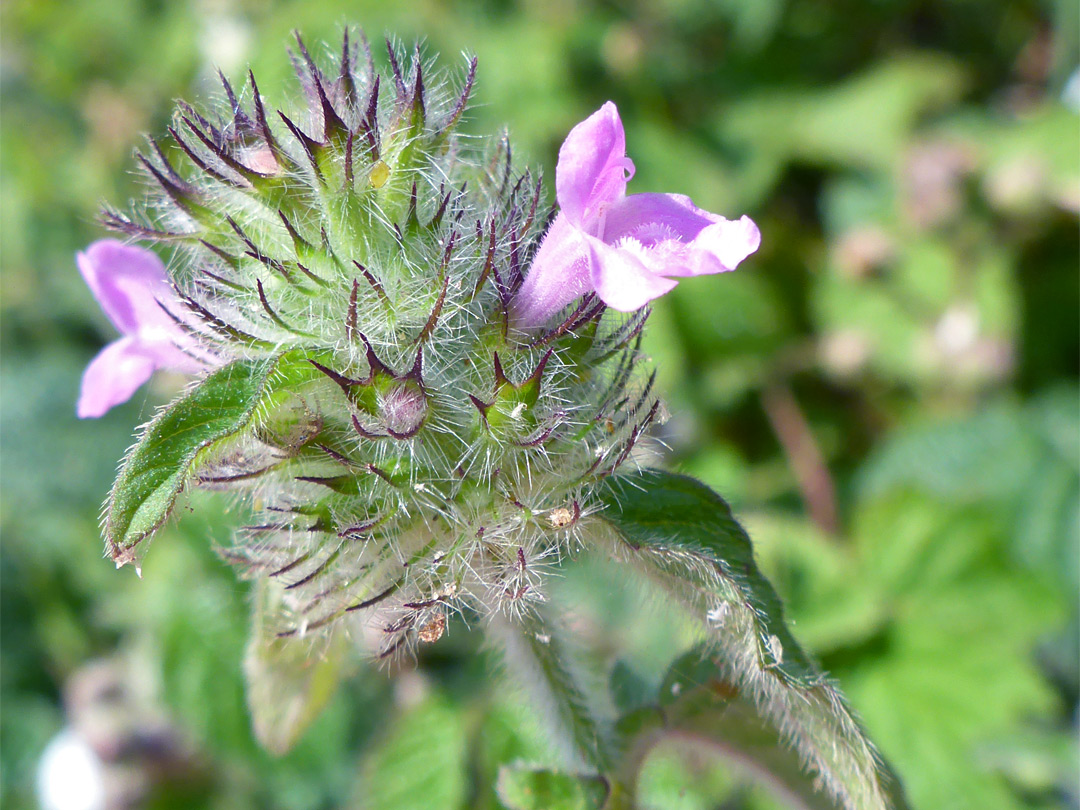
(621, 280)
(131, 286)
(127, 282)
(593, 168)
(730, 241)
(112, 377)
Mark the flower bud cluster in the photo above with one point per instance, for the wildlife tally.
(439, 455)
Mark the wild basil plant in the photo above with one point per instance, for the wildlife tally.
(426, 385)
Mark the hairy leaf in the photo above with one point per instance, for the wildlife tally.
(683, 536)
(289, 680)
(219, 408)
(702, 711)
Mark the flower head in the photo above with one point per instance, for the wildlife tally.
(130, 284)
(627, 249)
(404, 455)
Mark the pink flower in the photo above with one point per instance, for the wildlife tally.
(128, 282)
(627, 249)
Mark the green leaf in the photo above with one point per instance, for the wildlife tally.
(219, 408)
(957, 611)
(524, 788)
(987, 456)
(683, 536)
(420, 763)
(1041, 761)
(289, 680)
(826, 595)
(508, 733)
(919, 603)
(1022, 462)
(655, 511)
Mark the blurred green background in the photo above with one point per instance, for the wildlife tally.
(887, 392)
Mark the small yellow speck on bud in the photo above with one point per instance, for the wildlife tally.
(380, 173)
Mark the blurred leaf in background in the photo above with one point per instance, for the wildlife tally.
(888, 393)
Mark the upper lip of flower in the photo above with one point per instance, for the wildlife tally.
(628, 249)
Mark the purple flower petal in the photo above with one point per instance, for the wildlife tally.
(593, 168)
(628, 249)
(648, 218)
(175, 350)
(676, 238)
(113, 376)
(728, 241)
(131, 285)
(560, 272)
(127, 282)
(622, 280)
